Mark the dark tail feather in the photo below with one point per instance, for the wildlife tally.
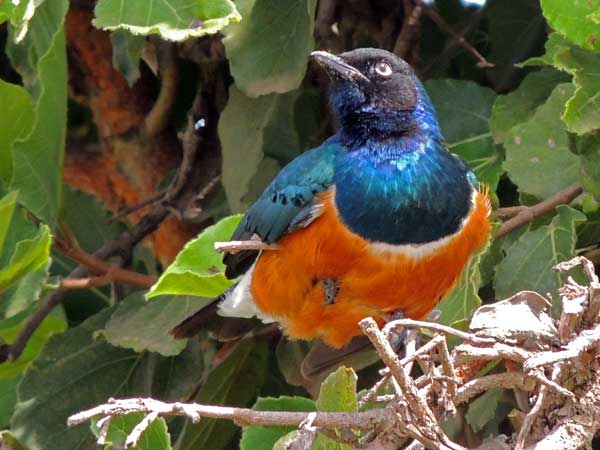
(221, 328)
(198, 321)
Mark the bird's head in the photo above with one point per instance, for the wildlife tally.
(374, 93)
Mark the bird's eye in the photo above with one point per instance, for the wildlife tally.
(384, 69)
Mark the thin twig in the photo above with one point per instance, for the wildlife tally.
(410, 323)
(239, 246)
(88, 282)
(586, 341)
(508, 211)
(96, 265)
(410, 28)
(528, 214)
(130, 209)
(458, 38)
(430, 432)
(506, 380)
(448, 367)
(138, 430)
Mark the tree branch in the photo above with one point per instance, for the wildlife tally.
(241, 416)
(458, 38)
(528, 214)
(158, 117)
(97, 266)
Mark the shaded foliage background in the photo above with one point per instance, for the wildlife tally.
(177, 114)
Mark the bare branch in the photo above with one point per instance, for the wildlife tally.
(240, 246)
(410, 323)
(242, 416)
(528, 214)
(458, 38)
(158, 117)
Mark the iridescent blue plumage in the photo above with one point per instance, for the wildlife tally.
(395, 182)
(404, 189)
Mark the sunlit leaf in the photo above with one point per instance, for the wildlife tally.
(198, 269)
(38, 158)
(15, 121)
(575, 20)
(538, 158)
(175, 20)
(155, 437)
(29, 255)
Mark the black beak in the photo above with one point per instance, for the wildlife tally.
(336, 67)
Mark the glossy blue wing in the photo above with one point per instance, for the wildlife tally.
(285, 204)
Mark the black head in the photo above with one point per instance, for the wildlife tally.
(372, 91)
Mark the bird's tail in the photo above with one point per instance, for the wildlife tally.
(221, 328)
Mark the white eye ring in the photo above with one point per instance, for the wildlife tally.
(383, 69)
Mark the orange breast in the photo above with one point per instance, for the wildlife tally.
(287, 283)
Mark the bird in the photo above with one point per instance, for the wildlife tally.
(380, 219)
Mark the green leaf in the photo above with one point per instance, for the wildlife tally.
(25, 292)
(6, 11)
(126, 53)
(38, 158)
(538, 159)
(338, 393)
(464, 109)
(464, 298)
(29, 255)
(529, 261)
(15, 122)
(575, 20)
(588, 149)
(87, 219)
(234, 382)
(142, 325)
(198, 269)
(518, 106)
(582, 112)
(264, 128)
(20, 14)
(7, 209)
(155, 437)
(83, 372)
(268, 51)
(264, 438)
(8, 400)
(12, 371)
(174, 20)
(483, 409)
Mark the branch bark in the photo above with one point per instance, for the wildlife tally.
(528, 214)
